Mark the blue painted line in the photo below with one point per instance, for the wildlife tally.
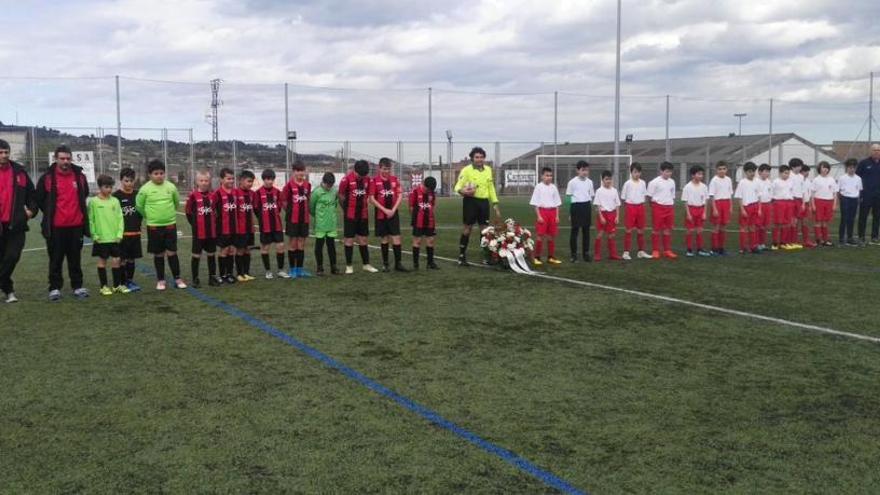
(544, 476)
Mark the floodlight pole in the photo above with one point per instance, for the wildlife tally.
(118, 126)
(871, 110)
(617, 102)
(430, 125)
(668, 150)
(555, 131)
(770, 137)
(286, 132)
(740, 117)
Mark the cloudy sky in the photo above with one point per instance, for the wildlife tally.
(377, 57)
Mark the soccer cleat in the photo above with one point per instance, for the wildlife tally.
(828, 244)
(303, 273)
(319, 271)
(643, 255)
(291, 273)
(537, 262)
(215, 281)
(689, 253)
(121, 289)
(626, 256)
(614, 257)
(398, 267)
(196, 283)
(133, 287)
(704, 253)
(369, 269)
(241, 278)
(385, 269)
(81, 293)
(573, 259)
(160, 286)
(334, 270)
(775, 247)
(463, 262)
(743, 252)
(598, 257)
(810, 245)
(283, 274)
(10, 298)
(875, 241)
(106, 291)
(756, 251)
(433, 266)
(179, 283)
(229, 279)
(655, 255)
(553, 261)
(349, 269)
(670, 255)
(248, 277)
(269, 275)
(54, 295)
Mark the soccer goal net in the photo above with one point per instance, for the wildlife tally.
(564, 167)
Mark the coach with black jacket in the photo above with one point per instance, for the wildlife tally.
(17, 206)
(869, 171)
(61, 195)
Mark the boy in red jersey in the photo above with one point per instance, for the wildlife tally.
(267, 204)
(200, 213)
(226, 212)
(720, 194)
(748, 193)
(661, 190)
(295, 197)
(244, 225)
(422, 201)
(386, 195)
(695, 195)
(607, 203)
(354, 196)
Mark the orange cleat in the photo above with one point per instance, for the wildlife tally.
(670, 255)
(655, 255)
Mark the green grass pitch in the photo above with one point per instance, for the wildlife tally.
(609, 391)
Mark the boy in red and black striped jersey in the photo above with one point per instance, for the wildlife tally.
(244, 225)
(422, 201)
(226, 213)
(268, 204)
(295, 196)
(354, 192)
(130, 247)
(386, 196)
(201, 215)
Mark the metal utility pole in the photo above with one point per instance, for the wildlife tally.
(215, 107)
(740, 117)
(118, 126)
(770, 137)
(286, 131)
(617, 102)
(555, 133)
(430, 125)
(871, 111)
(668, 150)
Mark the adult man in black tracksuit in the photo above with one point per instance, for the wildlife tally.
(61, 194)
(869, 171)
(17, 206)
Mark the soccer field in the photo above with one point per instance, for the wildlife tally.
(707, 375)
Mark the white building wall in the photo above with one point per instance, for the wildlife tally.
(794, 148)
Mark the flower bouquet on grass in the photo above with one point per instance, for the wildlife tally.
(508, 244)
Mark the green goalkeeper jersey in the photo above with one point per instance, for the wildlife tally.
(105, 220)
(158, 203)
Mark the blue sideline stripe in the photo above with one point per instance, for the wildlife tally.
(546, 477)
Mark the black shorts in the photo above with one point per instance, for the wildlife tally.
(580, 214)
(161, 239)
(271, 238)
(426, 232)
(224, 241)
(475, 211)
(388, 226)
(243, 241)
(207, 245)
(297, 230)
(106, 250)
(131, 247)
(352, 228)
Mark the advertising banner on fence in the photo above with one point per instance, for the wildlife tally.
(522, 177)
(84, 159)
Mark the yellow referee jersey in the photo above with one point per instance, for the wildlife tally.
(482, 180)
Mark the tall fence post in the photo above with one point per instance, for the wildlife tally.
(555, 134)
(235, 157)
(118, 126)
(100, 149)
(34, 153)
(286, 131)
(499, 167)
(430, 125)
(871, 110)
(668, 150)
(192, 158)
(165, 146)
(770, 137)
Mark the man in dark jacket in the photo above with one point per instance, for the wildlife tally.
(17, 206)
(869, 171)
(61, 195)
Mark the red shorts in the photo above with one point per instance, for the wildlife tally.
(824, 210)
(696, 221)
(723, 216)
(766, 219)
(783, 210)
(800, 209)
(610, 225)
(549, 227)
(662, 216)
(635, 216)
(752, 218)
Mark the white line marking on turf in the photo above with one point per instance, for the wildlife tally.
(29, 250)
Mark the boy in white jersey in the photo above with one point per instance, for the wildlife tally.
(765, 193)
(695, 194)
(633, 197)
(661, 190)
(850, 186)
(823, 193)
(545, 199)
(579, 196)
(720, 192)
(783, 209)
(607, 208)
(797, 191)
(748, 194)
(807, 210)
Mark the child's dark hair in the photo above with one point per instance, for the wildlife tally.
(430, 183)
(385, 162)
(582, 164)
(268, 174)
(825, 165)
(666, 166)
(62, 149)
(635, 166)
(329, 179)
(764, 168)
(721, 164)
(852, 162)
(696, 169)
(246, 174)
(298, 166)
(226, 171)
(750, 167)
(795, 162)
(105, 181)
(4, 145)
(805, 168)
(362, 167)
(545, 170)
(155, 165)
(784, 168)
(477, 150)
(606, 174)
(127, 173)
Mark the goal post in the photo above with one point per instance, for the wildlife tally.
(565, 167)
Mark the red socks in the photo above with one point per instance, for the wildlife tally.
(627, 241)
(539, 247)
(551, 248)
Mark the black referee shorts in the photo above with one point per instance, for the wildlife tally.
(475, 210)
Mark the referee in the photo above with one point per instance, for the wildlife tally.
(477, 188)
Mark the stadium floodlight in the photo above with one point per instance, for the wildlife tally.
(291, 136)
(629, 138)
